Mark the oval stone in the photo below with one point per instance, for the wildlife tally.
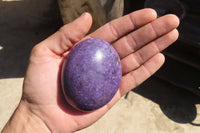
(91, 74)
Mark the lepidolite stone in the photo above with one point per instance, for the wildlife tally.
(91, 74)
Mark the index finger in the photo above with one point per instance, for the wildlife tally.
(121, 26)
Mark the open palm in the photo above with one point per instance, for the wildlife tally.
(138, 38)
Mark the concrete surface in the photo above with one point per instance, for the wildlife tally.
(153, 107)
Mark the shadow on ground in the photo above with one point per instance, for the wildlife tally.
(23, 24)
(176, 103)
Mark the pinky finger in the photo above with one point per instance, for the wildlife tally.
(136, 77)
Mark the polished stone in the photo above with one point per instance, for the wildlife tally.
(91, 74)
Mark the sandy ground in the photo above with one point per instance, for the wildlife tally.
(153, 107)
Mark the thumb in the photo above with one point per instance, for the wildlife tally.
(69, 34)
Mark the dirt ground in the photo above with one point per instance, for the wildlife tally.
(154, 107)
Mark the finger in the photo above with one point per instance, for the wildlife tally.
(119, 27)
(134, 60)
(136, 77)
(146, 34)
(68, 35)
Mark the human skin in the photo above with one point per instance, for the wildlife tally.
(138, 38)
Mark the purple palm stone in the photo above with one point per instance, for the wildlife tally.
(91, 74)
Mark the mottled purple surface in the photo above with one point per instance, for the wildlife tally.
(91, 74)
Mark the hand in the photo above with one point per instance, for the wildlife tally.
(138, 38)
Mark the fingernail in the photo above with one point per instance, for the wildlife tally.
(85, 14)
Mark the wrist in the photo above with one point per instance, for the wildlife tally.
(25, 121)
